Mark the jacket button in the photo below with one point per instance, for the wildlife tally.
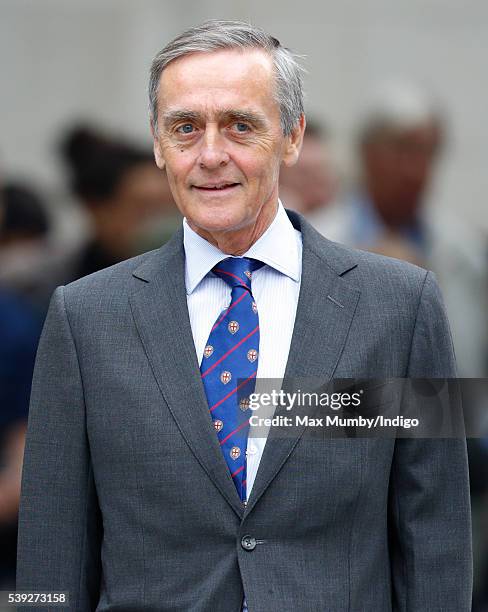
(248, 543)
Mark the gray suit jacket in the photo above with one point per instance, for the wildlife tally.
(127, 502)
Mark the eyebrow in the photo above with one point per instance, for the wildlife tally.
(179, 115)
(171, 117)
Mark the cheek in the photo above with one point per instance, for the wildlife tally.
(178, 162)
(178, 167)
(258, 168)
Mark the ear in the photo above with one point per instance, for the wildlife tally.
(293, 143)
(158, 154)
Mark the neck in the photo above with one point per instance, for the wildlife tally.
(239, 241)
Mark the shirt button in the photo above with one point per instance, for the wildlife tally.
(248, 543)
(251, 449)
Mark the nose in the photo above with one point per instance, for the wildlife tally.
(212, 154)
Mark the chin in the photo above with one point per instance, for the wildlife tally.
(215, 220)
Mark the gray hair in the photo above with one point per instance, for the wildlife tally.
(215, 35)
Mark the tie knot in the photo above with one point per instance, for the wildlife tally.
(237, 271)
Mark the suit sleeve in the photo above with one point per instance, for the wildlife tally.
(430, 524)
(59, 519)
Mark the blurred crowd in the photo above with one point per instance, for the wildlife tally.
(127, 208)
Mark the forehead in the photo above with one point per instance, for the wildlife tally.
(228, 78)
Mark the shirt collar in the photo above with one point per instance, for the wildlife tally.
(277, 248)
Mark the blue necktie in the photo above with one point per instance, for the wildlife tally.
(230, 363)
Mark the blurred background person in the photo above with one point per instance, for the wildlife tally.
(23, 223)
(399, 142)
(30, 264)
(312, 183)
(19, 335)
(126, 197)
(23, 216)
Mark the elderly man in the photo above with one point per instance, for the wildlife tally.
(142, 488)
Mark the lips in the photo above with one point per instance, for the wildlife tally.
(216, 186)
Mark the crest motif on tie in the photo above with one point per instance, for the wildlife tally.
(233, 327)
(248, 274)
(218, 424)
(244, 403)
(252, 355)
(235, 452)
(208, 350)
(225, 377)
(254, 307)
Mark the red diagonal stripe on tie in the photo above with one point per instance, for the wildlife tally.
(233, 276)
(234, 432)
(228, 310)
(231, 350)
(237, 471)
(232, 392)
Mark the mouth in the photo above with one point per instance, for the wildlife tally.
(215, 188)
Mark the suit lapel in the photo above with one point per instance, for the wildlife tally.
(160, 312)
(325, 310)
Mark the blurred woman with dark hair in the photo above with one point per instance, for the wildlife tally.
(125, 194)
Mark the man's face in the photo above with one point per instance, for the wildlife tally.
(219, 137)
(399, 167)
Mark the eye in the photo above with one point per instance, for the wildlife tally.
(186, 128)
(241, 127)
